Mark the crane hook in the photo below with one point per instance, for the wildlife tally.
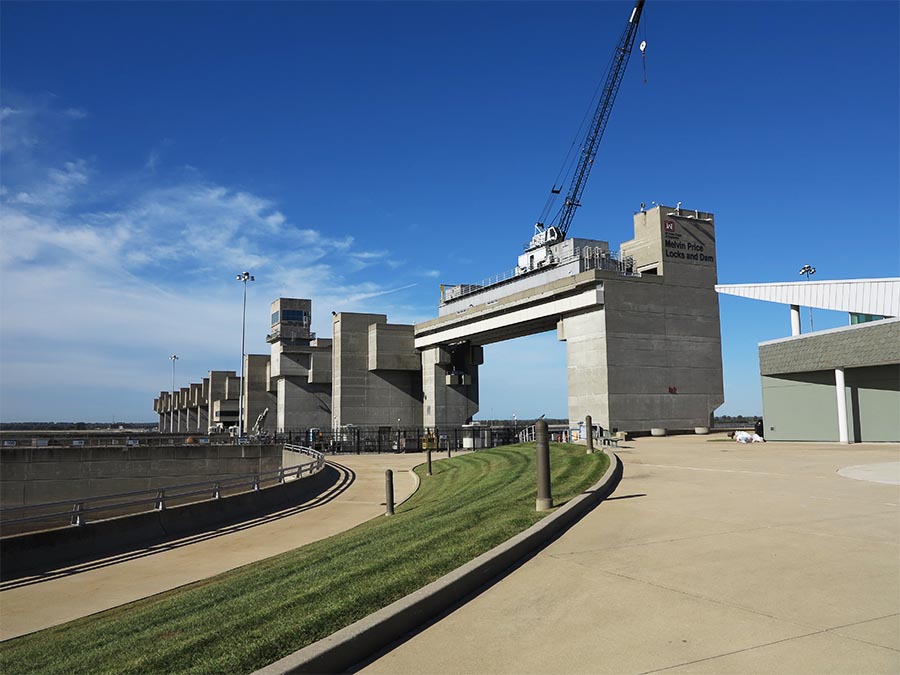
(643, 48)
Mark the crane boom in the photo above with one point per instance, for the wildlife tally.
(559, 225)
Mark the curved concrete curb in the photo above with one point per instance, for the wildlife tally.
(349, 646)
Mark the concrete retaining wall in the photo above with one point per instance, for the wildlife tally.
(38, 475)
(40, 551)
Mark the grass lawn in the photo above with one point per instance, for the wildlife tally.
(247, 618)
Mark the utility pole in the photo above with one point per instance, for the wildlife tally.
(173, 359)
(808, 270)
(244, 277)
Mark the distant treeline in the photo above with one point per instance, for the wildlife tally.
(74, 426)
(725, 420)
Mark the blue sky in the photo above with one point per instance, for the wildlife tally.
(362, 154)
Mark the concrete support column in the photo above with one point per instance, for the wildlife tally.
(190, 419)
(587, 367)
(795, 319)
(450, 384)
(841, 393)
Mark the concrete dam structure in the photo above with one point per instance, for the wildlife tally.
(641, 327)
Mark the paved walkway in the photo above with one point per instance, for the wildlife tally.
(34, 603)
(711, 557)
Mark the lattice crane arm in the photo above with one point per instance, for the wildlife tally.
(619, 62)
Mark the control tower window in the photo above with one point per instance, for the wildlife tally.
(298, 315)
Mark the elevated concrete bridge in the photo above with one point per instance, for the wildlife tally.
(642, 335)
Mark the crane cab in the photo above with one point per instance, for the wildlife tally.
(538, 253)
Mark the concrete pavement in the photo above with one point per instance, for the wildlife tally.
(711, 557)
(34, 603)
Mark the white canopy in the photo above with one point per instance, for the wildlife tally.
(863, 296)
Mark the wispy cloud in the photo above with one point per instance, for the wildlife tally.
(96, 296)
(6, 112)
(75, 113)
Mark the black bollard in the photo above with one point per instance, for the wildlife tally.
(542, 443)
(428, 455)
(389, 492)
(589, 428)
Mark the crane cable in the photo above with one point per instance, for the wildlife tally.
(643, 48)
(580, 138)
(570, 160)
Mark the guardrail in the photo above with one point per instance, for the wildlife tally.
(77, 512)
(588, 258)
(9, 441)
(526, 435)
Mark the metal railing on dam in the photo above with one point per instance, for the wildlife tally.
(78, 512)
(581, 260)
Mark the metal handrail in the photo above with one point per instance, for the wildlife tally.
(78, 508)
(589, 257)
(527, 434)
(302, 449)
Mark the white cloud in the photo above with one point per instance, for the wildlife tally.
(152, 160)
(95, 298)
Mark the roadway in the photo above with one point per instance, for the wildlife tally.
(711, 557)
(34, 603)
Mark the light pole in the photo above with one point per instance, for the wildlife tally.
(808, 270)
(243, 277)
(173, 359)
(515, 421)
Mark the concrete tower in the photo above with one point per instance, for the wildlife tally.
(299, 367)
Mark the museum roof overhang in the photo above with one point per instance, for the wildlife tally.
(864, 296)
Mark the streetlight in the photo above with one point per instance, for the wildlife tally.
(244, 277)
(173, 359)
(808, 270)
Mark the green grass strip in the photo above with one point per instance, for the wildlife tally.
(245, 619)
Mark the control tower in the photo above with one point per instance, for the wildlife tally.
(299, 367)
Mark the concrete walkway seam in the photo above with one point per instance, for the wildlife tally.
(355, 643)
(418, 481)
